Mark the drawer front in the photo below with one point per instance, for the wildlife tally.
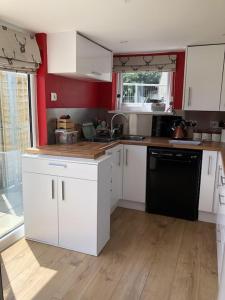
(60, 168)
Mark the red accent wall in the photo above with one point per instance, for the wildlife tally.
(71, 93)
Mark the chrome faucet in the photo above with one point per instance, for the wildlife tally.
(112, 130)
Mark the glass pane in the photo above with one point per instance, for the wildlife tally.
(14, 138)
(145, 87)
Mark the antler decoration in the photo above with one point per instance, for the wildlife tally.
(36, 64)
(10, 59)
(160, 67)
(173, 60)
(123, 60)
(22, 45)
(148, 60)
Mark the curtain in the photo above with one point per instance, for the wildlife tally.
(18, 51)
(160, 63)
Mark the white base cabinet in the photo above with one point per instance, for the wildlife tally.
(72, 213)
(134, 173)
(208, 174)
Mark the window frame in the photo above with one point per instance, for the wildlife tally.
(140, 107)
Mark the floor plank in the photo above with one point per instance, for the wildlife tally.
(147, 257)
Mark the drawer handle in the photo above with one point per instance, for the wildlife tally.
(220, 201)
(57, 165)
(63, 190)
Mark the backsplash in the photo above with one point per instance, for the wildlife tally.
(204, 117)
(78, 115)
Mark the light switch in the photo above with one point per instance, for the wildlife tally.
(53, 97)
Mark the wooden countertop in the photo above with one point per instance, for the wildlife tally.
(93, 150)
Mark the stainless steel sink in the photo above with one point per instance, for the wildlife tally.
(132, 137)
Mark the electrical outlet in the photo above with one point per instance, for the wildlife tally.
(53, 97)
(214, 124)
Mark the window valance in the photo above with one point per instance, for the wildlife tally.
(163, 63)
(18, 51)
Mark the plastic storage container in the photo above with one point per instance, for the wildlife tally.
(66, 137)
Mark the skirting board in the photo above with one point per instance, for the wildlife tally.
(206, 217)
(202, 216)
(131, 205)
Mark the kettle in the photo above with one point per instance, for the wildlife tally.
(179, 129)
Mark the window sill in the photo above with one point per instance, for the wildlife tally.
(140, 112)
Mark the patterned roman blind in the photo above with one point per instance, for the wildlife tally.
(18, 51)
(160, 63)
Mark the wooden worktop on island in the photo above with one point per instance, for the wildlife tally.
(93, 150)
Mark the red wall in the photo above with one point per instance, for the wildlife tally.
(71, 93)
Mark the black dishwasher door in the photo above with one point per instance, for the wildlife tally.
(173, 182)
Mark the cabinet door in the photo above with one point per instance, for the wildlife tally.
(208, 174)
(204, 68)
(134, 174)
(40, 207)
(116, 174)
(93, 60)
(77, 214)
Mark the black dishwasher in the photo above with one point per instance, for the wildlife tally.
(173, 182)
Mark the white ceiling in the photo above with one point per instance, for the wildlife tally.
(147, 25)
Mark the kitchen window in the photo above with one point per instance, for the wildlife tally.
(15, 137)
(138, 90)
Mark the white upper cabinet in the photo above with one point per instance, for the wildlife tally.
(203, 79)
(72, 55)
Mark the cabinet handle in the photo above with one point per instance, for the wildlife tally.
(96, 73)
(119, 157)
(220, 201)
(222, 180)
(53, 189)
(189, 96)
(209, 164)
(57, 165)
(218, 178)
(126, 157)
(63, 190)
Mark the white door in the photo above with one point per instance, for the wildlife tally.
(208, 174)
(134, 174)
(40, 207)
(203, 80)
(77, 214)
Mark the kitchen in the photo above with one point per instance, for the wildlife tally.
(113, 150)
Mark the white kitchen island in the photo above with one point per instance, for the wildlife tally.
(67, 201)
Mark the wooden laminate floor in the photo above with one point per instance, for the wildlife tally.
(148, 257)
